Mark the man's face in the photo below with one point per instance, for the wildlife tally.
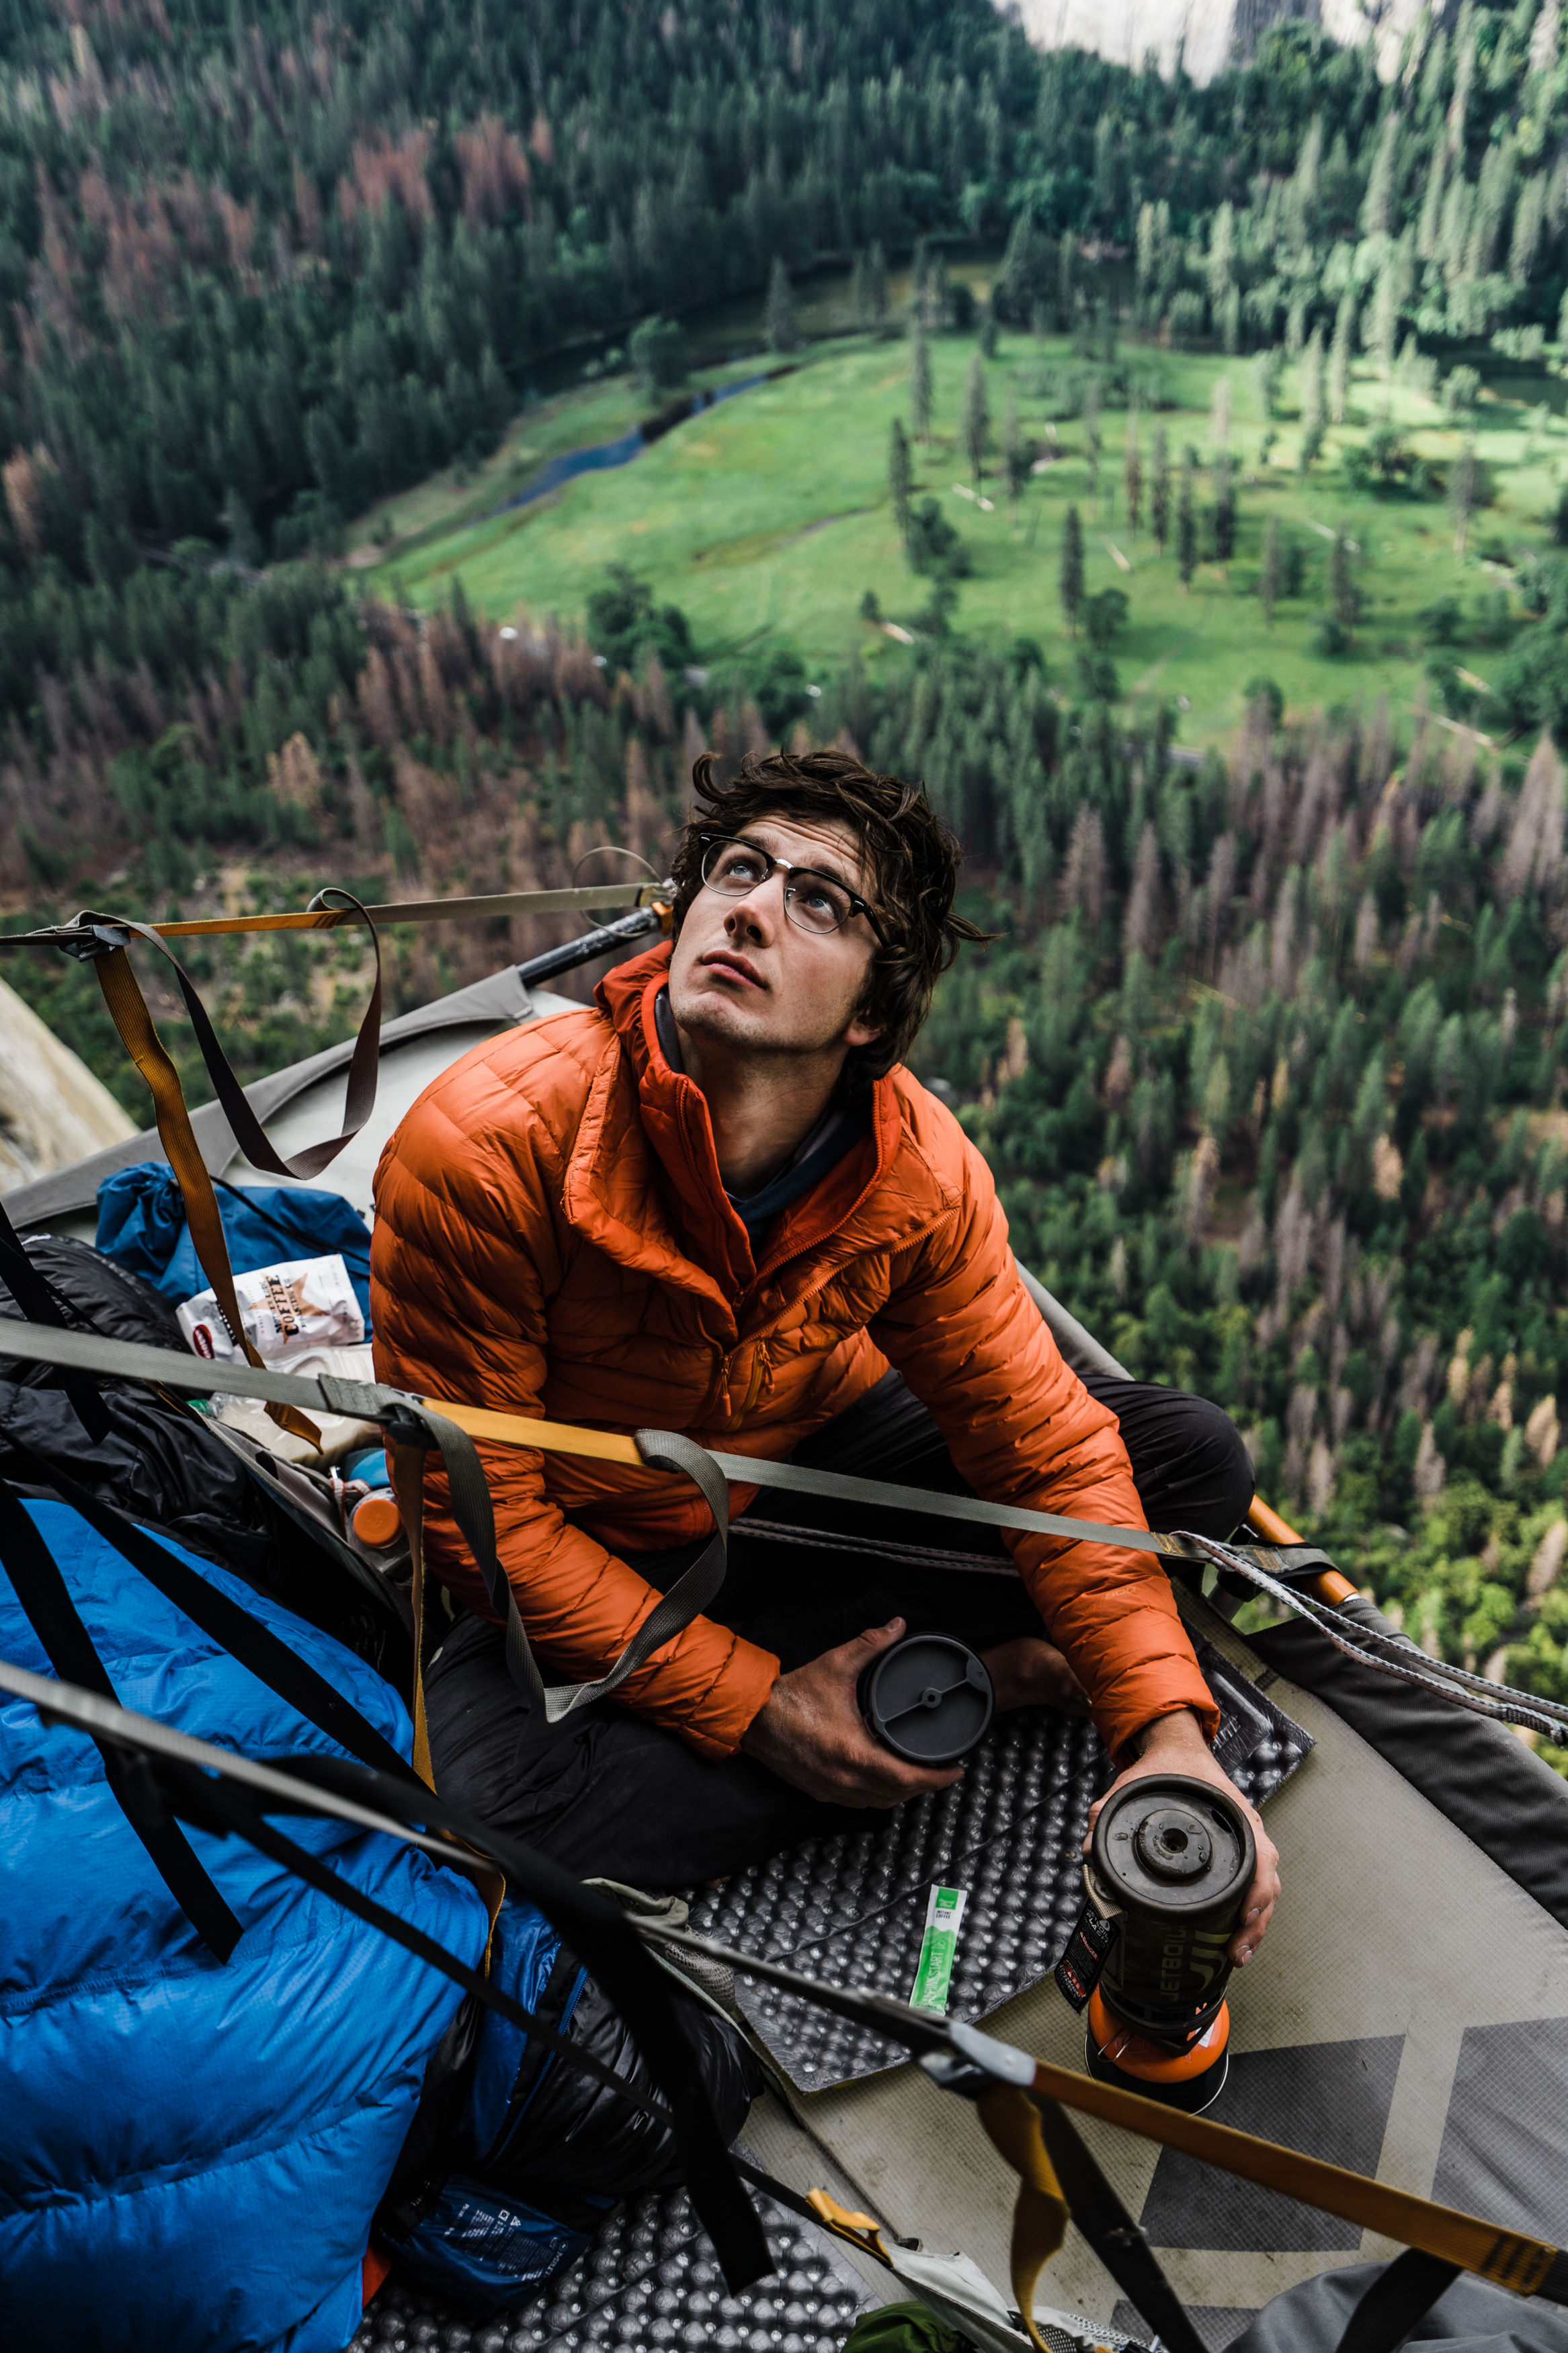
(746, 977)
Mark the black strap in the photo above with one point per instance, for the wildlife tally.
(1398, 2297)
(40, 1303)
(597, 1930)
(1112, 2233)
(254, 1646)
(69, 1647)
(414, 1423)
(225, 1808)
(248, 1134)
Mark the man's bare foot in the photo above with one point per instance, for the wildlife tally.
(1032, 1673)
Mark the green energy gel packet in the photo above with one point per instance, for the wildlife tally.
(944, 1913)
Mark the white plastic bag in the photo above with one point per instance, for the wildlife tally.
(288, 1311)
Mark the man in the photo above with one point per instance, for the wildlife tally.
(718, 1204)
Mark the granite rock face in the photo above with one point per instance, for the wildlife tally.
(1207, 33)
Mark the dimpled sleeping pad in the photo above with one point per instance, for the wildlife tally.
(192, 2152)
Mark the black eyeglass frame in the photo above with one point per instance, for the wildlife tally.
(857, 905)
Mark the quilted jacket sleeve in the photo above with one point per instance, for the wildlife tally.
(463, 1255)
(1023, 1429)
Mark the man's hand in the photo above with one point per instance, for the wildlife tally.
(1175, 1744)
(811, 1733)
(1029, 1672)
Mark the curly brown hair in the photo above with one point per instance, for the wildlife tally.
(912, 858)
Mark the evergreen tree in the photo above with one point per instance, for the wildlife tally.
(1131, 473)
(1219, 413)
(1377, 211)
(901, 475)
(1145, 264)
(1159, 491)
(782, 331)
(977, 421)
(1071, 576)
(1428, 231)
(1267, 369)
(1014, 456)
(876, 289)
(1268, 574)
(1462, 487)
(1186, 524)
(1091, 436)
(920, 379)
(1223, 511)
(1387, 303)
(1339, 357)
(1344, 593)
(1309, 384)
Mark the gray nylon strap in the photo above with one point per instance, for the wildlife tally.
(1263, 1564)
(687, 1597)
(475, 1515)
(472, 1509)
(371, 1401)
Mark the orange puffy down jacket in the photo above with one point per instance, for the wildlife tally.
(552, 1237)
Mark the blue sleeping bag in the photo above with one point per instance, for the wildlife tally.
(142, 1225)
(192, 2153)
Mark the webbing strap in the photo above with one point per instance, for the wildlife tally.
(358, 1100)
(245, 1639)
(1273, 1568)
(1512, 2259)
(121, 992)
(40, 1303)
(406, 1465)
(597, 1931)
(1012, 2124)
(419, 1428)
(1110, 2231)
(1396, 2301)
(331, 1785)
(47, 1602)
(78, 938)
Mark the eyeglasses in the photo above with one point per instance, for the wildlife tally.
(813, 901)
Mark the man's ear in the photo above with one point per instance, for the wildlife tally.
(862, 1033)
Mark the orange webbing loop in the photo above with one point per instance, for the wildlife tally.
(128, 1006)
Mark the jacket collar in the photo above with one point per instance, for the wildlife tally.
(646, 1188)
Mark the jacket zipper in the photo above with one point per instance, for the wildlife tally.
(816, 1290)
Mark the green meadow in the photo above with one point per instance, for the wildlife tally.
(769, 517)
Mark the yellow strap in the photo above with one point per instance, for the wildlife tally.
(549, 1437)
(862, 2231)
(123, 994)
(428, 911)
(1509, 2257)
(1040, 2216)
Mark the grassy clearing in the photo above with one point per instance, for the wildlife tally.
(771, 515)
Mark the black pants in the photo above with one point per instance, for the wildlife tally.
(607, 1794)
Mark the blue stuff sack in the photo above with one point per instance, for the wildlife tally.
(142, 1225)
(485, 2214)
(485, 2251)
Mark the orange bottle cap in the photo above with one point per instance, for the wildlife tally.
(377, 1520)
